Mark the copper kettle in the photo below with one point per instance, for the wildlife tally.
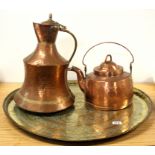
(45, 88)
(108, 87)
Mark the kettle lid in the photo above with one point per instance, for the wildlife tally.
(108, 68)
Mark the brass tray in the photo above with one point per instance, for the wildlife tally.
(81, 122)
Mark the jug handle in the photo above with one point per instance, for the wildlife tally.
(63, 29)
(109, 42)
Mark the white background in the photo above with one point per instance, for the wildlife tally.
(91, 22)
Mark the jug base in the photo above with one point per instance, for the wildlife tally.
(43, 106)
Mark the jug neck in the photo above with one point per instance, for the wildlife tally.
(45, 33)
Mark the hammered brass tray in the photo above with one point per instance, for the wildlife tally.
(81, 122)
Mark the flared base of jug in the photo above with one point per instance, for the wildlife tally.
(44, 106)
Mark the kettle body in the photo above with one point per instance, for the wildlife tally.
(105, 94)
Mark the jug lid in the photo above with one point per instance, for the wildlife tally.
(51, 22)
(108, 68)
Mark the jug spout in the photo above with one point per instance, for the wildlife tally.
(80, 76)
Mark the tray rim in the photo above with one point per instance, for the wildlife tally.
(10, 95)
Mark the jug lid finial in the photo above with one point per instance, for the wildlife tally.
(50, 16)
(50, 21)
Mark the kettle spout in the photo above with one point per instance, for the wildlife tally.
(80, 77)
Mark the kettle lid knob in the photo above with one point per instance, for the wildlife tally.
(108, 68)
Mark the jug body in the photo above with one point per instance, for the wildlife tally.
(42, 92)
(45, 88)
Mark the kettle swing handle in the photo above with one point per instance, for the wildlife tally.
(109, 42)
(64, 29)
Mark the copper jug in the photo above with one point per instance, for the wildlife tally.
(45, 88)
(108, 87)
